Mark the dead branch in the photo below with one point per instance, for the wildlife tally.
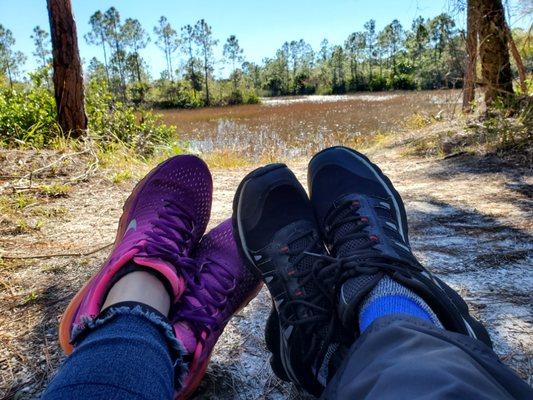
(80, 254)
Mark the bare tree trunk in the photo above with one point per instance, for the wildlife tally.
(207, 99)
(518, 59)
(68, 80)
(494, 51)
(471, 51)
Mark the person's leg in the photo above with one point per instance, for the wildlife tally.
(414, 336)
(127, 357)
(126, 354)
(115, 329)
(401, 357)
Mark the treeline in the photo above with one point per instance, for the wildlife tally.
(430, 54)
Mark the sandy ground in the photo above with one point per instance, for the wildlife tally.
(470, 222)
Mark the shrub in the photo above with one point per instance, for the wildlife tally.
(176, 95)
(112, 122)
(28, 116)
(402, 82)
(378, 83)
(235, 97)
(250, 97)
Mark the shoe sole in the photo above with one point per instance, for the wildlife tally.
(382, 178)
(68, 315)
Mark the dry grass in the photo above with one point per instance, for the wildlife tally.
(287, 128)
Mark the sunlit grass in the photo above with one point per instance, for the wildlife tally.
(225, 159)
(54, 190)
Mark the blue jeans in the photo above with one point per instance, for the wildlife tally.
(131, 356)
(128, 355)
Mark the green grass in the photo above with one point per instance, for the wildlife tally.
(54, 190)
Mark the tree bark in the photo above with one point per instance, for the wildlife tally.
(68, 79)
(471, 55)
(494, 51)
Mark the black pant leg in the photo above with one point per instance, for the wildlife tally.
(407, 358)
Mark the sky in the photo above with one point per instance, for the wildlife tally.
(260, 26)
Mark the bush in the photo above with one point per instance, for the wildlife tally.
(378, 83)
(402, 82)
(250, 97)
(111, 122)
(235, 97)
(176, 95)
(29, 115)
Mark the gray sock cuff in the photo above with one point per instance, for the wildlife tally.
(389, 287)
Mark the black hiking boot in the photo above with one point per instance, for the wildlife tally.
(277, 233)
(363, 222)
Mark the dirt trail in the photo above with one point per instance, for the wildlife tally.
(470, 222)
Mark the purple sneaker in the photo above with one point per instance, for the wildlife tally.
(163, 219)
(225, 286)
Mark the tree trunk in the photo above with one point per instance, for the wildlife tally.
(518, 60)
(494, 51)
(68, 80)
(471, 55)
(206, 66)
(105, 61)
(9, 74)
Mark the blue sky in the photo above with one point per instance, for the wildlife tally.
(260, 26)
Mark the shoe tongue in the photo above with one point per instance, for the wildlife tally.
(292, 236)
(352, 293)
(186, 336)
(349, 247)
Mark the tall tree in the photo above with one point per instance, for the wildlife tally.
(370, 40)
(188, 48)
(68, 79)
(417, 40)
(494, 51)
(98, 37)
(337, 69)
(167, 41)
(114, 35)
(354, 45)
(135, 38)
(203, 36)
(391, 38)
(41, 40)
(233, 53)
(441, 32)
(10, 60)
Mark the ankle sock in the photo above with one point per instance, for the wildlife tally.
(389, 297)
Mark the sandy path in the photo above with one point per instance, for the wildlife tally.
(470, 221)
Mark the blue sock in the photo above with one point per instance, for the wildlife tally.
(390, 297)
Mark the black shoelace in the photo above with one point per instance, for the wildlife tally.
(365, 258)
(313, 309)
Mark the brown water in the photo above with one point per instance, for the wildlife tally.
(301, 125)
